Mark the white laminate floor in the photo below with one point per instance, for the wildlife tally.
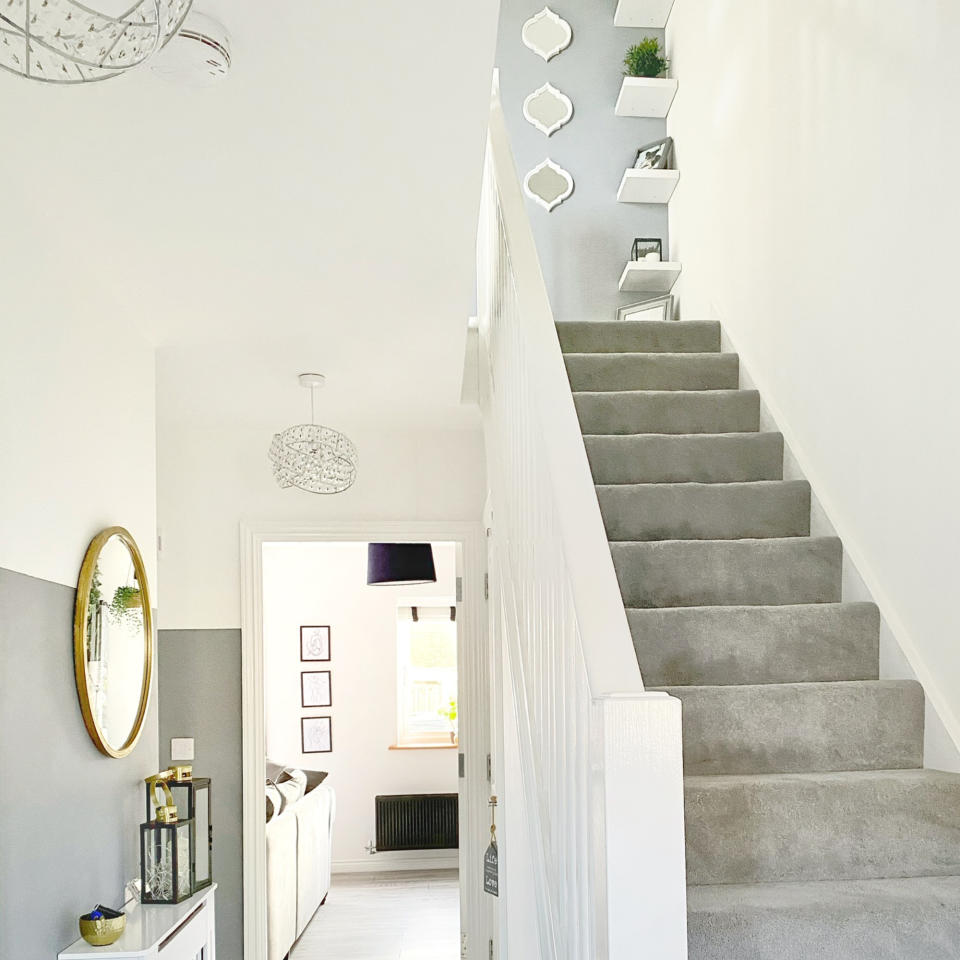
(386, 916)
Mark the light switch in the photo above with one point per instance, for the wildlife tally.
(181, 748)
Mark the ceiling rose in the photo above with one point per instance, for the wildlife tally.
(312, 457)
(64, 41)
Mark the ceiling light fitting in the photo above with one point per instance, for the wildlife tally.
(64, 41)
(312, 457)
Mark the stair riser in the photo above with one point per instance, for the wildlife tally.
(639, 336)
(801, 728)
(736, 411)
(717, 573)
(649, 371)
(822, 827)
(732, 645)
(694, 511)
(721, 458)
(915, 919)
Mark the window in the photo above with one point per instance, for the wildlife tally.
(426, 675)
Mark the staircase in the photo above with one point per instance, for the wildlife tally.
(812, 829)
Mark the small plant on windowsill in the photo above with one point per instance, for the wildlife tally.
(449, 713)
(645, 59)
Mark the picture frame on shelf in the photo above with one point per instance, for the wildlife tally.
(314, 644)
(316, 735)
(656, 308)
(315, 689)
(657, 155)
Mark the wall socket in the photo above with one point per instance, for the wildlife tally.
(181, 749)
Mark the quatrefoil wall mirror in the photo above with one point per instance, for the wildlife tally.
(549, 184)
(113, 642)
(548, 109)
(546, 34)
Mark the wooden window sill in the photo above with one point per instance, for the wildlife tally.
(424, 746)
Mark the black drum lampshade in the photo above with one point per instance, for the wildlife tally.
(400, 563)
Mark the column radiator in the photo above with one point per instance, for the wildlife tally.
(427, 821)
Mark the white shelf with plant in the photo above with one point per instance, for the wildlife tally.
(643, 13)
(646, 91)
(649, 276)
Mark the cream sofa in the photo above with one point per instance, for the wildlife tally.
(298, 865)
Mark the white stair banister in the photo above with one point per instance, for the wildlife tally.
(601, 759)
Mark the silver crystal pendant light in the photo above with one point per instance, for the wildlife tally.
(312, 457)
(66, 41)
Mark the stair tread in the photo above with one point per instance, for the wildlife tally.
(670, 412)
(640, 335)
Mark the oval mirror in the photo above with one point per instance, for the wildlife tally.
(113, 642)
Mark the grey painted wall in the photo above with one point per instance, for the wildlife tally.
(69, 816)
(585, 242)
(200, 685)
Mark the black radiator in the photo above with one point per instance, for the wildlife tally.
(425, 821)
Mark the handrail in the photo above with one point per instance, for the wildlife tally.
(599, 760)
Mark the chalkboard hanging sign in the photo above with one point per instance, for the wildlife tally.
(491, 876)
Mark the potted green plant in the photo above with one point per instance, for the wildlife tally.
(645, 59)
(449, 713)
(127, 603)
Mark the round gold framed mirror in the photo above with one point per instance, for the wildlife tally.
(113, 641)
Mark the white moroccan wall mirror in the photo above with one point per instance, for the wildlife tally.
(546, 34)
(548, 109)
(113, 642)
(549, 184)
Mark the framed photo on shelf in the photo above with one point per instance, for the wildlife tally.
(655, 156)
(315, 688)
(316, 735)
(314, 644)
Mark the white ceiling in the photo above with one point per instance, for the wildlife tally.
(315, 211)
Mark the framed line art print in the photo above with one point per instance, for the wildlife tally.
(316, 735)
(314, 644)
(315, 688)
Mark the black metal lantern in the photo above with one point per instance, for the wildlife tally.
(644, 247)
(400, 564)
(166, 853)
(192, 796)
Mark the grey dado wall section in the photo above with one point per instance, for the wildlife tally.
(585, 242)
(69, 816)
(200, 683)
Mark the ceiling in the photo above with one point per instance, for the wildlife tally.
(315, 211)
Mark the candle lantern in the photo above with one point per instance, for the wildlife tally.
(646, 248)
(166, 844)
(191, 796)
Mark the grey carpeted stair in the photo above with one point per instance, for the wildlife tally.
(856, 825)
(698, 573)
(813, 833)
(706, 511)
(802, 727)
(639, 336)
(685, 458)
(736, 644)
(653, 371)
(916, 918)
(669, 411)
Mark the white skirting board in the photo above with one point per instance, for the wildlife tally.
(391, 862)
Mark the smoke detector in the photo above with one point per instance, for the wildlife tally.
(198, 55)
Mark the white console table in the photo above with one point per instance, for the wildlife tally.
(159, 931)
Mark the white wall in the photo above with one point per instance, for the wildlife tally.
(325, 583)
(816, 218)
(214, 475)
(77, 436)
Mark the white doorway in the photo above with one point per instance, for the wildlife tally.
(354, 737)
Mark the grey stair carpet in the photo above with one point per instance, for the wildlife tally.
(813, 833)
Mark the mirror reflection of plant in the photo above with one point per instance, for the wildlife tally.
(93, 614)
(645, 59)
(127, 605)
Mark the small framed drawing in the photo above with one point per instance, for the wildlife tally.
(315, 689)
(655, 156)
(316, 735)
(314, 643)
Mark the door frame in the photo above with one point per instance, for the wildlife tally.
(473, 701)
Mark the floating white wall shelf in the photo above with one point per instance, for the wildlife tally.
(647, 186)
(643, 13)
(645, 97)
(653, 277)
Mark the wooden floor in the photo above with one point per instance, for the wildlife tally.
(386, 916)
